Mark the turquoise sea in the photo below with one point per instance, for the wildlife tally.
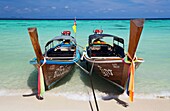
(18, 77)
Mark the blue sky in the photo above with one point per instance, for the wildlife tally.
(84, 8)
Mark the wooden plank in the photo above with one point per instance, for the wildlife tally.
(136, 27)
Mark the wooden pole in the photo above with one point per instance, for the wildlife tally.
(136, 27)
(34, 39)
(37, 49)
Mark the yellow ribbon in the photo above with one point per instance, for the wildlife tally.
(132, 76)
(41, 85)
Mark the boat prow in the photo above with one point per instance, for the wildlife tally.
(109, 57)
(59, 59)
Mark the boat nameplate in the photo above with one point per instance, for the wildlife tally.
(61, 70)
(105, 72)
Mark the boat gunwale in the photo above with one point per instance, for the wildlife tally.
(108, 59)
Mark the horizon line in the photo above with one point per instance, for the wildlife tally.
(147, 18)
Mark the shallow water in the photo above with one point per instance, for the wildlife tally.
(17, 76)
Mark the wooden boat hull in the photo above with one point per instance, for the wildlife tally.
(55, 72)
(56, 69)
(112, 69)
(57, 60)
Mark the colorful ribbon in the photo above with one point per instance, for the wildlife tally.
(41, 85)
(131, 74)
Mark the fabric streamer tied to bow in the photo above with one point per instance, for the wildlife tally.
(131, 74)
(41, 85)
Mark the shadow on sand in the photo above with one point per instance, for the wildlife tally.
(112, 91)
(32, 82)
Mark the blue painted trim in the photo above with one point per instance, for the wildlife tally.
(33, 61)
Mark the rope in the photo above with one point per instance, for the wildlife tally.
(80, 46)
(90, 73)
(91, 70)
(81, 67)
(93, 87)
(90, 101)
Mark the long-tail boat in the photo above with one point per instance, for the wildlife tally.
(105, 53)
(60, 56)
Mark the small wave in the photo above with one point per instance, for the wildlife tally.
(13, 92)
(162, 95)
(2, 93)
(77, 96)
(84, 96)
(104, 96)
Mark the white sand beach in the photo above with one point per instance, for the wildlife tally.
(60, 103)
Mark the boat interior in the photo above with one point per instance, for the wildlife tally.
(105, 50)
(62, 50)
